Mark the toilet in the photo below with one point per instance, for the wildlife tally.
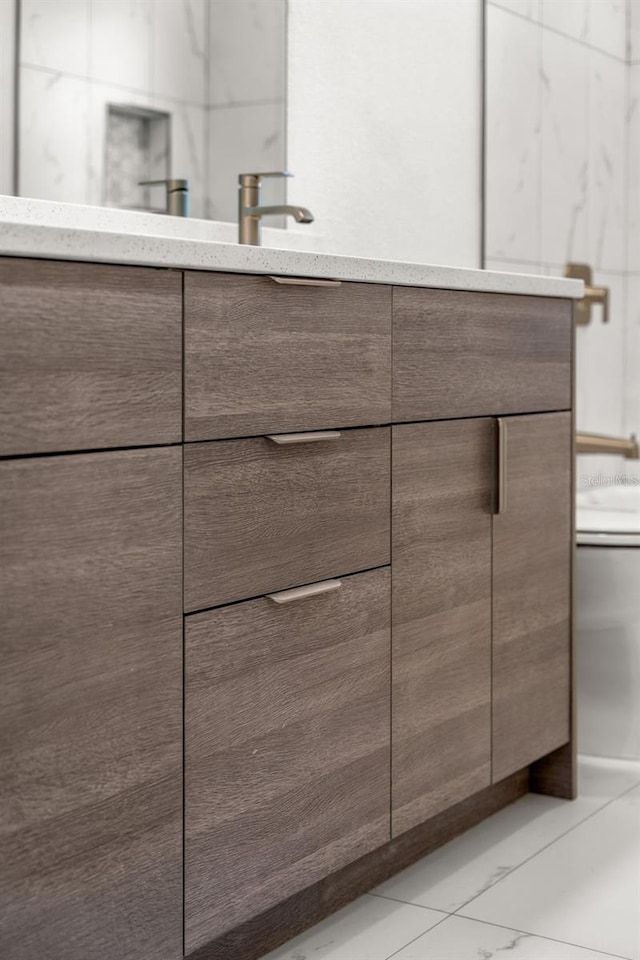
(608, 621)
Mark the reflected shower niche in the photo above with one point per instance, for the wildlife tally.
(138, 148)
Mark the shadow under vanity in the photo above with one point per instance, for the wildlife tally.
(201, 755)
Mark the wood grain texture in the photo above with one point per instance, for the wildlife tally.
(261, 517)
(90, 356)
(441, 638)
(90, 707)
(265, 358)
(532, 594)
(267, 931)
(460, 354)
(557, 773)
(287, 747)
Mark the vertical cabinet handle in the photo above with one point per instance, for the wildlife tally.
(501, 466)
(301, 593)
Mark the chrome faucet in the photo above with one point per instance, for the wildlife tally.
(250, 212)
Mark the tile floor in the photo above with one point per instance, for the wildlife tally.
(542, 879)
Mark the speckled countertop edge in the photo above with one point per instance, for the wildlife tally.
(103, 246)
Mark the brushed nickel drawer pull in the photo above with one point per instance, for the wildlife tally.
(301, 593)
(501, 467)
(282, 439)
(306, 282)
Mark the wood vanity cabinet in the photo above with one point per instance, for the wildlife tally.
(262, 516)
(321, 740)
(276, 355)
(287, 747)
(90, 707)
(441, 546)
(462, 354)
(90, 356)
(532, 548)
(481, 627)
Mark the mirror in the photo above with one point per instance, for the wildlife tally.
(114, 92)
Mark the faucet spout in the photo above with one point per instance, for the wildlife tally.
(251, 212)
(299, 214)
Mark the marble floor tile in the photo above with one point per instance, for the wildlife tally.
(458, 938)
(368, 929)
(584, 889)
(475, 861)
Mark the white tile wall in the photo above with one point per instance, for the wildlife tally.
(180, 41)
(121, 42)
(565, 149)
(586, 100)
(633, 40)
(247, 51)
(608, 25)
(7, 66)
(55, 35)
(513, 139)
(54, 136)
(607, 136)
(243, 139)
(570, 17)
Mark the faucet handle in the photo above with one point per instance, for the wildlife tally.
(253, 179)
(177, 194)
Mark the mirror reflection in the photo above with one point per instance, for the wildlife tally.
(112, 93)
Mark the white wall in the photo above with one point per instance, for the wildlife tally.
(561, 175)
(384, 126)
(246, 100)
(7, 66)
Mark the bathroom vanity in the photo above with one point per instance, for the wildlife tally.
(286, 581)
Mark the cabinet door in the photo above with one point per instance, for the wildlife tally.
(441, 656)
(532, 545)
(287, 747)
(90, 707)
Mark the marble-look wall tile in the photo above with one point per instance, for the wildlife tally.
(606, 197)
(632, 356)
(525, 8)
(570, 17)
(633, 37)
(54, 136)
(55, 35)
(608, 26)
(189, 147)
(633, 169)
(7, 79)
(121, 40)
(600, 349)
(247, 45)
(513, 137)
(180, 50)
(243, 139)
(565, 149)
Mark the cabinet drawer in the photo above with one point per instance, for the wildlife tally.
(287, 747)
(262, 356)
(461, 354)
(260, 516)
(90, 356)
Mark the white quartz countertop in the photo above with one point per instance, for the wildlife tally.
(35, 228)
